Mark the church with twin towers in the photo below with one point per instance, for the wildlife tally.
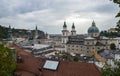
(66, 33)
(84, 44)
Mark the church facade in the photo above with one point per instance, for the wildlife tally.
(85, 44)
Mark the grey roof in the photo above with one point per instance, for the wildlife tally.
(99, 44)
(78, 39)
(107, 54)
(89, 38)
(76, 42)
(106, 38)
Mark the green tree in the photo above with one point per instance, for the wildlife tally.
(112, 46)
(64, 56)
(118, 27)
(75, 58)
(7, 61)
(118, 3)
(3, 32)
(109, 71)
(118, 15)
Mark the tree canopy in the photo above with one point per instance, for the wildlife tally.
(117, 28)
(4, 33)
(118, 3)
(7, 61)
(112, 46)
(76, 58)
(109, 71)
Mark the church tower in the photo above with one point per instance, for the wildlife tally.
(73, 31)
(10, 33)
(36, 33)
(47, 36)
(65, 34)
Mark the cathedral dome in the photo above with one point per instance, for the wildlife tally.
(93, 28)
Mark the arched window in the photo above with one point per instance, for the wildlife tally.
(63, 33)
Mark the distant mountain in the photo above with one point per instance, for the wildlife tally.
(19, 33)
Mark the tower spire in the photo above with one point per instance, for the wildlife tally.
(64, 26)
(36, 27)
(36, 32)
(10, 33)
(73, 31)
(73, 26)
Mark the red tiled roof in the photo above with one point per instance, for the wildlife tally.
(30, 65)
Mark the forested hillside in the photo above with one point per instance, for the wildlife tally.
(19, 33)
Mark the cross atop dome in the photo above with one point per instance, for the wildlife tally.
(93, 23)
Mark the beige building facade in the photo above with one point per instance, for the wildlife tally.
(80, 44)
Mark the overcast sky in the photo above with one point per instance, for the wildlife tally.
(49, 15)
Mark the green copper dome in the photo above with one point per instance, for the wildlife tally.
(93, 28)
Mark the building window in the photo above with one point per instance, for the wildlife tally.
(87, 48)
(68, 45)
(106, 42)
(68, 48)
(63, 33)
(63, 41)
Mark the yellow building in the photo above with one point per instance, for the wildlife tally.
(112, 30)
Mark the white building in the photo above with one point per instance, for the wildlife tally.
(117, 42)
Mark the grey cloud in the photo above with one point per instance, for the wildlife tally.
(52, 13)
(13, 7)
(109, 8)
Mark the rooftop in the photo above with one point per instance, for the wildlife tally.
(89, 38)
(32, 66)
